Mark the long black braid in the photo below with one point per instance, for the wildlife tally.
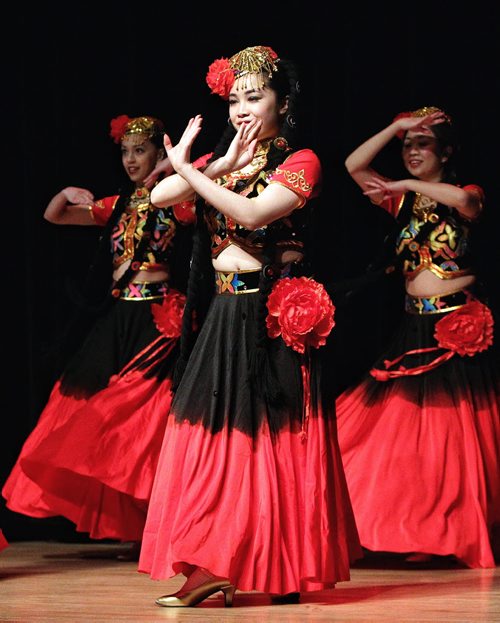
(285, 83)
(200, 290)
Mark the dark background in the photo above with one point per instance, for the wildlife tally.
(71, 68)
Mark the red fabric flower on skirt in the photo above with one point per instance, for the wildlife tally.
(220, 77)
(467, 330)
(168, 315)
(301, 311)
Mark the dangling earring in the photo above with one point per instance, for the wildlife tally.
(290, 120)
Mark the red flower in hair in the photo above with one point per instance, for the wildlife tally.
(272, 53)
(301, 311)
(118, 126)
(467, 330)
(168, 315)
(220, 77)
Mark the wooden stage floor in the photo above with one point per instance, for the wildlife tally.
(47, 582)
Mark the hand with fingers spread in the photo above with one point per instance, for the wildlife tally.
(242, 148)
(180, 154)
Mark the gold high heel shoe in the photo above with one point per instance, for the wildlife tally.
(186, 598)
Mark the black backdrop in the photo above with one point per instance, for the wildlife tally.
(75, 66)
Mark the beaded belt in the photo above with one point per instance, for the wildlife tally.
(144, 291)
(438, 304)
(241, 282)
(247, 281)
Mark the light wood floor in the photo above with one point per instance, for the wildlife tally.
(52, 582)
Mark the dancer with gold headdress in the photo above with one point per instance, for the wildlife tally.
(250, 491)
(420, 435)
(92, 456)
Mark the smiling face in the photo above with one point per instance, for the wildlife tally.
(139, 159)
(422, 157)
(251, 98)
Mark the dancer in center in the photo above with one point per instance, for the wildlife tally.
(250, 491)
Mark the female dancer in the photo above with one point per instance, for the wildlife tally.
(420, 436)
(255, 498)
(92, 456)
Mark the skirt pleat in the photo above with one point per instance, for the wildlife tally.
(249, 490)
(422, 454)
(92, 456)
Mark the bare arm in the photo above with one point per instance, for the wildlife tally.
(272, 203)
(358, 163)
(176, 188)
(71, 206)
(466, 201)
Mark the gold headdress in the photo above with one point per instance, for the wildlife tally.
(421, 112)
(259, 61)
(428, 110)
(139, 129)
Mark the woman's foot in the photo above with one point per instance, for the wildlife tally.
(199, 585)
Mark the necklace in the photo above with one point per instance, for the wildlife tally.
(139, 199)
(423, 208)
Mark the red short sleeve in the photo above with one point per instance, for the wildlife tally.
(102, 208)
(300, 172)
(392, 204)
(474, 188)
(200, 162)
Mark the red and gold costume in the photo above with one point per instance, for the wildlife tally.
(420, 435)
(252, 490)
(92, 456)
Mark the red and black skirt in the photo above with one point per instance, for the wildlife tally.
(252, 490)
(420, 435)
(92, 455)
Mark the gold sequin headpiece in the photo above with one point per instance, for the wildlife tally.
(428, 110)
(139, 129)
(421, 112)
(258, 60)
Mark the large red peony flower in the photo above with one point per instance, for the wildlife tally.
(301, 311)
(467, 330)
(118, 127)
(168, 315)
(220, 77)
